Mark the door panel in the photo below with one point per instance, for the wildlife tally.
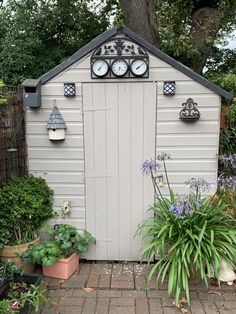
(119, 132)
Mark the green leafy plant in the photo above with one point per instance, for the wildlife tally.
(63, 242)
(7, 270)
(3, 100)
(25, 203)
(228, 136)
(227, 182)
(190, 233)
(19, 295)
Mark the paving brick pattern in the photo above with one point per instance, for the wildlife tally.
(120, 288)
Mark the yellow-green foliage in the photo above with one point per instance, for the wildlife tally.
(3, 100)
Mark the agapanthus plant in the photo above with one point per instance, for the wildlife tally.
(227, 192)
(188, 232)
(228, 161)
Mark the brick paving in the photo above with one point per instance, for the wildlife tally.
(120, 288)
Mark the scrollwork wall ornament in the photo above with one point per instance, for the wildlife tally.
(189, 112)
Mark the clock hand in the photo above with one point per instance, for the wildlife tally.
(100, 67)
(140, 65)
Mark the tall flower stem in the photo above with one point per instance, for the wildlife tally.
(167, 179)
(156, 188)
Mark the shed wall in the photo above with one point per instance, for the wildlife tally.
(193, 147)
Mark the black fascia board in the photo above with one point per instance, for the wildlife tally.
(139, 40)
(179, 66)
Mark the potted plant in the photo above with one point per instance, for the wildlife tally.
(21, 292)
(25, 203)
(189, 233)
(59, 254)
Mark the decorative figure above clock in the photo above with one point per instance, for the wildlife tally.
(119, 58)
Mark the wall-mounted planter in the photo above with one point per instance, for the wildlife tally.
(189, 113)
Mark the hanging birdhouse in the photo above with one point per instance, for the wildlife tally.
(56, 126)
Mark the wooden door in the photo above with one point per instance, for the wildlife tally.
(119, 133)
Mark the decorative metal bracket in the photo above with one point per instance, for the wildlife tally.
(189, 112)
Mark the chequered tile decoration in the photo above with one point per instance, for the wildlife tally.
(169, 88)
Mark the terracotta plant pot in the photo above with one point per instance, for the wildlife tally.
(63, 268)
(11, 254)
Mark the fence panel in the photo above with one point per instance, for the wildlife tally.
(13, 150)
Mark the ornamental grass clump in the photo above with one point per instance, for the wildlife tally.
(190, 233)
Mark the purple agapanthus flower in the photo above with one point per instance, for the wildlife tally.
(226, 183)
(199, 184)
(228, 160)
(149, 167)
(185, 206)
(176, 210)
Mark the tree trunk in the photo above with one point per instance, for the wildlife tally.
(206, 23)
(140, 17)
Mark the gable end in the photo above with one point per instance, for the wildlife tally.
(139, 40)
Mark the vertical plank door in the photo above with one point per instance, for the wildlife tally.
(119, 133)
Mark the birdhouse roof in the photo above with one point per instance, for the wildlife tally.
(55, 120)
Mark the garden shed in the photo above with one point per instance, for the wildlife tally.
(116, 102)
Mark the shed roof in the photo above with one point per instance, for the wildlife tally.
(55, 120)
(136, 38)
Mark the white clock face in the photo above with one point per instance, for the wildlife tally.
(100, 68)
(139, 67)
(119, 67)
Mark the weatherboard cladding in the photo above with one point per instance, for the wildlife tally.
(192, 146)
(55, 120)
(155, 51)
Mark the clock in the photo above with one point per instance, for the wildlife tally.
(119, 67)
(100, 67)
(139, 67)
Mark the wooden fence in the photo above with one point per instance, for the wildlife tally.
(13, 151)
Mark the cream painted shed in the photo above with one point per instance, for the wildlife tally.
(121, 100)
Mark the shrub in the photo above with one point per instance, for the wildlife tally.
(228, 136)
(25, 203)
